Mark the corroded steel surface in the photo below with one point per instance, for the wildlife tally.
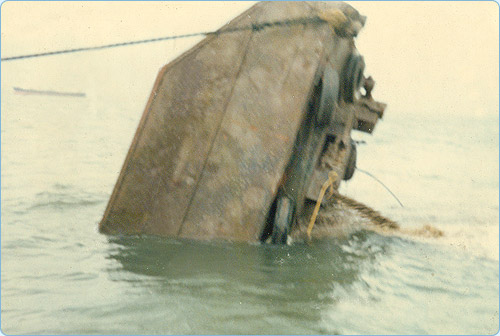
(220, 126)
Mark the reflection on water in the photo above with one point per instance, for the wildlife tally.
(357, 284)
(224, 286)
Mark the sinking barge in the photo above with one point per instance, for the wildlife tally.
(240, 132)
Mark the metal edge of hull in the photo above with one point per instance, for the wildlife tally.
(110, 224)
(217, 222)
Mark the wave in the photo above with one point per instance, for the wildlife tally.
(61, 197)
(61, 200)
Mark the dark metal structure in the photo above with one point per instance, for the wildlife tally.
(241, 129)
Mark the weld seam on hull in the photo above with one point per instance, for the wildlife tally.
(191, 198)
(152, 98)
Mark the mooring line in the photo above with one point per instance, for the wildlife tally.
(332, 177)
(387, 188)
(364, 210)
(254, 27)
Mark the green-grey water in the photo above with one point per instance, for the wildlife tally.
(61, 157)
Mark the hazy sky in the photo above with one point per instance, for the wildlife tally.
(445, 53)
(427, 57)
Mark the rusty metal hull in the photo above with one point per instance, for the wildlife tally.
(220, 127)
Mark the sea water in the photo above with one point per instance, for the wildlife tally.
(60, 158)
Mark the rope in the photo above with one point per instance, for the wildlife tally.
(365, 211)
(383, 185)
(332, 177)
(107, 46)
(256, 27)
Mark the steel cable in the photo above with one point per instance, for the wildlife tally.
(254, 27)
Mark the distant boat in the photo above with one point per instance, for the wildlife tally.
(48, 92)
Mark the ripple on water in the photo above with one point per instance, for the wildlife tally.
(65, 198)
(421, 283)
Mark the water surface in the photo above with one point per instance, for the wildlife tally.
(61, 157)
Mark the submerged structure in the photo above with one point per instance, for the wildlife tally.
(241, 130)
